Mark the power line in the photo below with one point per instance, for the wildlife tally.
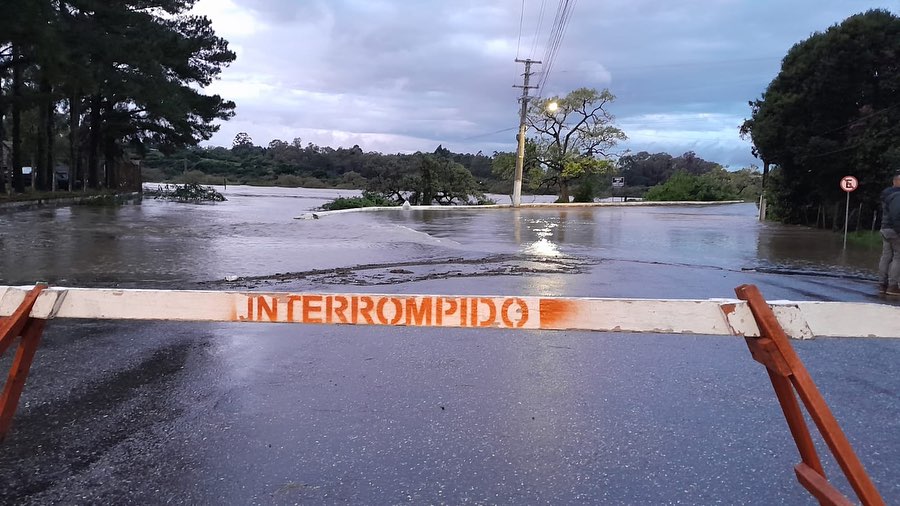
(696, 63)
(521, 20)
(552, 39)
(560, 25)
(488, 134)
(565, 28)
(537, 29)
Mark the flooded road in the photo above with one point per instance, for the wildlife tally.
(286, 414)
(252, 235)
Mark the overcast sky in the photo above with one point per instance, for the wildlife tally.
(407, 75)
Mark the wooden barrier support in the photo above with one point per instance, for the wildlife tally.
(787, 373)
(20, 323)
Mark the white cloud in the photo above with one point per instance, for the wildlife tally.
(397, 75)
(229, 19)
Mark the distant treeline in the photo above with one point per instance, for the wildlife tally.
(440, 176)
(294, 164)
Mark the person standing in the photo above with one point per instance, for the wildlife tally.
(889, 266)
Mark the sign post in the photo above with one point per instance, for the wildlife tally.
(848, 184)
(617, 182)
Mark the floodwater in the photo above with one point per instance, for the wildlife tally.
(253, 234)
(155, 413)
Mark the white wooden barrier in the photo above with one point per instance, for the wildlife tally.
(800, 320)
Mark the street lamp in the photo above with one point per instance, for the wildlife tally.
(550, 107)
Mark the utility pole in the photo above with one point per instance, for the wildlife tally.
(520, 155)
(762, 194)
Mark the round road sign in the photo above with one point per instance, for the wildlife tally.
(849, 183)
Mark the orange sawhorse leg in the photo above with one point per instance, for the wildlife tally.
(788, 374)
(30, 329)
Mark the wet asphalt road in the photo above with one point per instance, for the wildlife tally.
(160, 413)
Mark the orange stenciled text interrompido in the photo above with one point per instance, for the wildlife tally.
(426, 311)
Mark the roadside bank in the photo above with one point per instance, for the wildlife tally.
(88, 199)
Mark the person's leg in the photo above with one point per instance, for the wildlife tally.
(894, 270)
(884, 265)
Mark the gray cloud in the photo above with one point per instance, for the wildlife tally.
(398, 75)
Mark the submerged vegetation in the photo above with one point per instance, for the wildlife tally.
(189, 192)
(367, 199)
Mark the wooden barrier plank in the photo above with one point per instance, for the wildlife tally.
(614, 315)
(835, 319)
(668, 316)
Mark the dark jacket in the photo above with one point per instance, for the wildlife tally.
(890, 207)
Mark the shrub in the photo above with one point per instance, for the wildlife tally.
(189, 192)
(367, 199)
(686, 187)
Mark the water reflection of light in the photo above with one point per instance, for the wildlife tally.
(543, 248)
(544, 228)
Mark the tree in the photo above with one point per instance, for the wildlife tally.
(576, 138)
(131, 74)
(683, 186)
(396, 175)
(833, 110)
(645, 169)
(273, 144)
(746, 183)
(426, 178)
(449, 183)
(242, 139)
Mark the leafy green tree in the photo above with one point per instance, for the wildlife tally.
(575, 138)
(832, 110)
(426, 178)
(712, 186)
(746, 183)
(451, 183)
